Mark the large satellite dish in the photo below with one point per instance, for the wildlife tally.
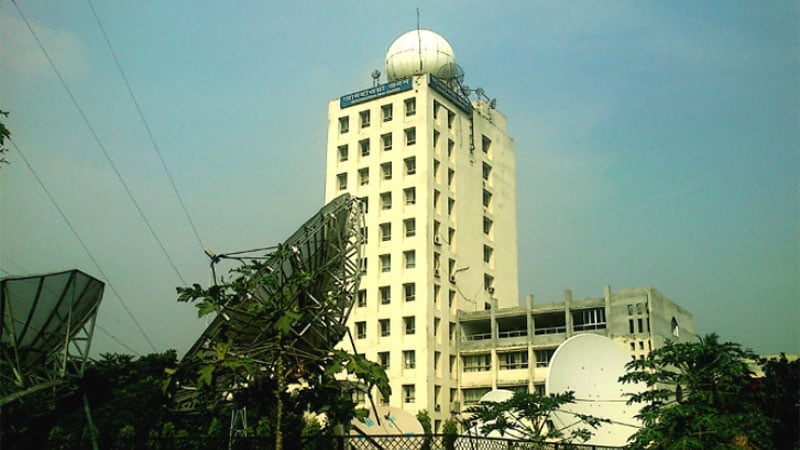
(46, 330)
(316, 272)
(590, 365)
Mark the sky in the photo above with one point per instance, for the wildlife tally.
(656, 144)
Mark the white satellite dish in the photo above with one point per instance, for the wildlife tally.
(590, 365)
(497, 396)
(393, 421)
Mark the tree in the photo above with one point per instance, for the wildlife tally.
(527, 416)
(700, 395)
(780, 400)
(4, 134)
(273, 360)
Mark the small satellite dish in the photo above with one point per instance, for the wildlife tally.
(493, 103)
(479, 92)
(466, 91)
(590, 365)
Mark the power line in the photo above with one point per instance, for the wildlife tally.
(100, 144)
(83, 244)
(147, 127)
(114, 338)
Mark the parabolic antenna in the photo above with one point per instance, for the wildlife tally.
(315, 273)
(46, 330)
(473, 437)
(590, 365)
(387, 420)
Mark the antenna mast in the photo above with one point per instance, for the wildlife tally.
(419, 42)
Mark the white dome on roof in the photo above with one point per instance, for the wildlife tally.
(417, 52)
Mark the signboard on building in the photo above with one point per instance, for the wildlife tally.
(393, 87)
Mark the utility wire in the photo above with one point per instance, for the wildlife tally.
(114, 338)
(100, 144)
(147, 127)
(83, 244)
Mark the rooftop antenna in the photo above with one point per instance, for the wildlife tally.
(419, 42)
(376, 75)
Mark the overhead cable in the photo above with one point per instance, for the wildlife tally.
(100, 144)
(83, 244)
(146, 126)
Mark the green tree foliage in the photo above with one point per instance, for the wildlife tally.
(526, 416)
(780, 400)
(701, 395)
(277, 363)
(450, 434)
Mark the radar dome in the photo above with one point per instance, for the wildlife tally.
(417, 52)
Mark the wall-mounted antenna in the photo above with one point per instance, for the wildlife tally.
(419, 43)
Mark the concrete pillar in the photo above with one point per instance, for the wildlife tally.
(567, 312)
(531, 333)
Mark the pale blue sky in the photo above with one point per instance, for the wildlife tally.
(657, 143)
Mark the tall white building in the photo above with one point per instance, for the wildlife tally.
(436, 172)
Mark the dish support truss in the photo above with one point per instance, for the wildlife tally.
(316, 273)
(47, 327)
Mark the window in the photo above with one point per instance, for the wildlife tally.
(640, 322)
(409, 324)
(361, 330)
(451, 117)
(488, 282)
(477, 363)
(344, 124)
(386, 112)
(359, 396)
(362, 298)
(486, 145)
(437, 292)
(364, 117)
(487, 199)
(487, 226)
(409, 359)
(436, 322)
(386, 231)
(451, 145)
(630, 326)
(436, 106)
(341, 179)
(513, 360)
(386, 200)
(386, 170)
(343, 153)
(630, 310)
(487, 172)
(383, 359)
(386, 139)
(410, 195)
(384, 401)
(386, 263)
(411, 165)
(385, 326)
(363, 176)
(451, 205)
(436, 357)
(436, 135)
(409, 292)
(386, 295)
(411, 106)
(365, 233)
(451, 176)
(411, 136)
(451, 236)
(539, 388)
(436, 195)
(487, 254)
(638, 308)
(364, 201)
(409, 393)
(543, 357)
(676, 331)
(410, 226)
(410, 258)
(364, 146)
(452, 369)
(436, 165)
(363, 267)
(451, 332)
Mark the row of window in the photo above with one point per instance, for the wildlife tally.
(387, 114)
(409, 327)
(365, 147)
(409, 165)
(385, 294)
(507, 361)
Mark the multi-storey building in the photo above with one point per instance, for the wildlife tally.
(511, 348)
(435, 170)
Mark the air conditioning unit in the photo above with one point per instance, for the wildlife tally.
(490, 289)
(437, 408)
(436, 273)
(437, 240)
(452, 278)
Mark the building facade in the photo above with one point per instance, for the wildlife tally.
(511, 348)
(435, 170)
